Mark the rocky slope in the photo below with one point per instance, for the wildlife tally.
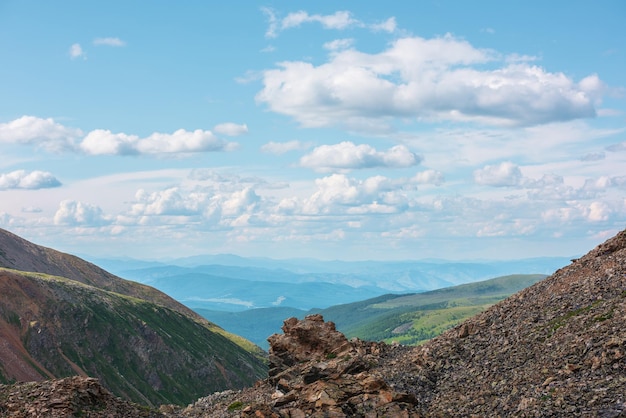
(557, 348)
(142, 345)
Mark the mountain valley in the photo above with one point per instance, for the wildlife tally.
(554, 348)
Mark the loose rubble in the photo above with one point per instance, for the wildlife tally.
(69, 397)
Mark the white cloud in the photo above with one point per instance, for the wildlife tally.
(75, 213)
(100, 142)
(117, 42)
(231, 129)
(54, 137)
(388, 25)
(338, 44)
(346, 155)
(501, 175)
(272, 22)
(104, 142)
(170, 202)
(434, 79)
(599, 211)
(43, 133)
(339, 194)
(239, 202)
(182, 141)
(283, 147)
(21, 179)
(339, 20)
(552, 187)
(76, 51)
(429, 177)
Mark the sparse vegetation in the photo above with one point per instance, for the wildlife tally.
(235, 406)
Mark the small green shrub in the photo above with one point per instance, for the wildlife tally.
(235, 406)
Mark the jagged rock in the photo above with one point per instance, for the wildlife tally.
(69, 397)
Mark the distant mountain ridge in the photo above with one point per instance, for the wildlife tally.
(406, 318)
(61, 316)
(313, 284)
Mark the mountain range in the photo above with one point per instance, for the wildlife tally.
(219, 282)
(556, 348)
(406, 318)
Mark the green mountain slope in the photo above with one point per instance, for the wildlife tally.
(141, 351)
(62, 316)
(412, 319)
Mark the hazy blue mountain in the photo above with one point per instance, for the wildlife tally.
(408, 318)
(255, 324)
(199, 290)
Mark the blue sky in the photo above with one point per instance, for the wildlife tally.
(335, 130)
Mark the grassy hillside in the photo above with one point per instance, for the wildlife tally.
(141, 351)
(412, 319)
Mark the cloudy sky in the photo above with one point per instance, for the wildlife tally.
(336, 130)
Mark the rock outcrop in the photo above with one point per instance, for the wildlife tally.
(69, 397)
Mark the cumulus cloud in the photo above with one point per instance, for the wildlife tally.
(346, 155)
(76, 51)
(436, 79)
(339, 194)
(76, 213)
(284, 147)
(219, 202)
(52, 136)
(104, 142)
(42, 133)
(500, 175)
(429, 177)
(182, 141)
(598, 211)
(169, 202)
(231, 129)
(117, 42)
(339, 20)
(22, 179)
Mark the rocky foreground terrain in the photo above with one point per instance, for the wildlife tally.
(557, 348)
